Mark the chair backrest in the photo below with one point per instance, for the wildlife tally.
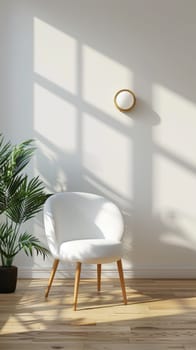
(76, 215)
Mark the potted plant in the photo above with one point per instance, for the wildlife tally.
(21, 199)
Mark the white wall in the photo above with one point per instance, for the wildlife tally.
(61, 63)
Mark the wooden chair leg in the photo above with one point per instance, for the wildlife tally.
(98, 277)
(122, 282)
(76, 285)
(54, 268)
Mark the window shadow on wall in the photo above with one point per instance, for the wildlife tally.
(148, 44)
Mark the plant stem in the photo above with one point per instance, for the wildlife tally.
(3, 260)
(9, 262)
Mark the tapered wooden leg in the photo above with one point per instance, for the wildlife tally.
(98, 277)
(122, 282)
(54, 268)
(76, 285)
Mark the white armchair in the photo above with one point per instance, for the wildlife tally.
(83, 228)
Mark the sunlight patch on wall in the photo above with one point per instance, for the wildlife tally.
(49, 164)
(179, 229)
(185, 240)
(176, 132)
(174, 203)
(55, 55)
(102, 78)
(174, 188)
(56, 118)
(106, 155)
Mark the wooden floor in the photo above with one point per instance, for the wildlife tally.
(161, 314)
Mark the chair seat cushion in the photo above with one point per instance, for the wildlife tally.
(90, 251)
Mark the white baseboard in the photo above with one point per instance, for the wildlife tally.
(147, 272)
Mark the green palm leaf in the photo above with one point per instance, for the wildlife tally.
(28, 243)
(6, 232)
(20, 157)
(27, 201)
(7, 243)
(8, 190)
(5, 151)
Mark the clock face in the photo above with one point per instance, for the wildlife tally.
(124, 100)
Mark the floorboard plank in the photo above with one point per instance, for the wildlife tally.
(161, 314)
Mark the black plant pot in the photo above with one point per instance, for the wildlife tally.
(8, 279)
